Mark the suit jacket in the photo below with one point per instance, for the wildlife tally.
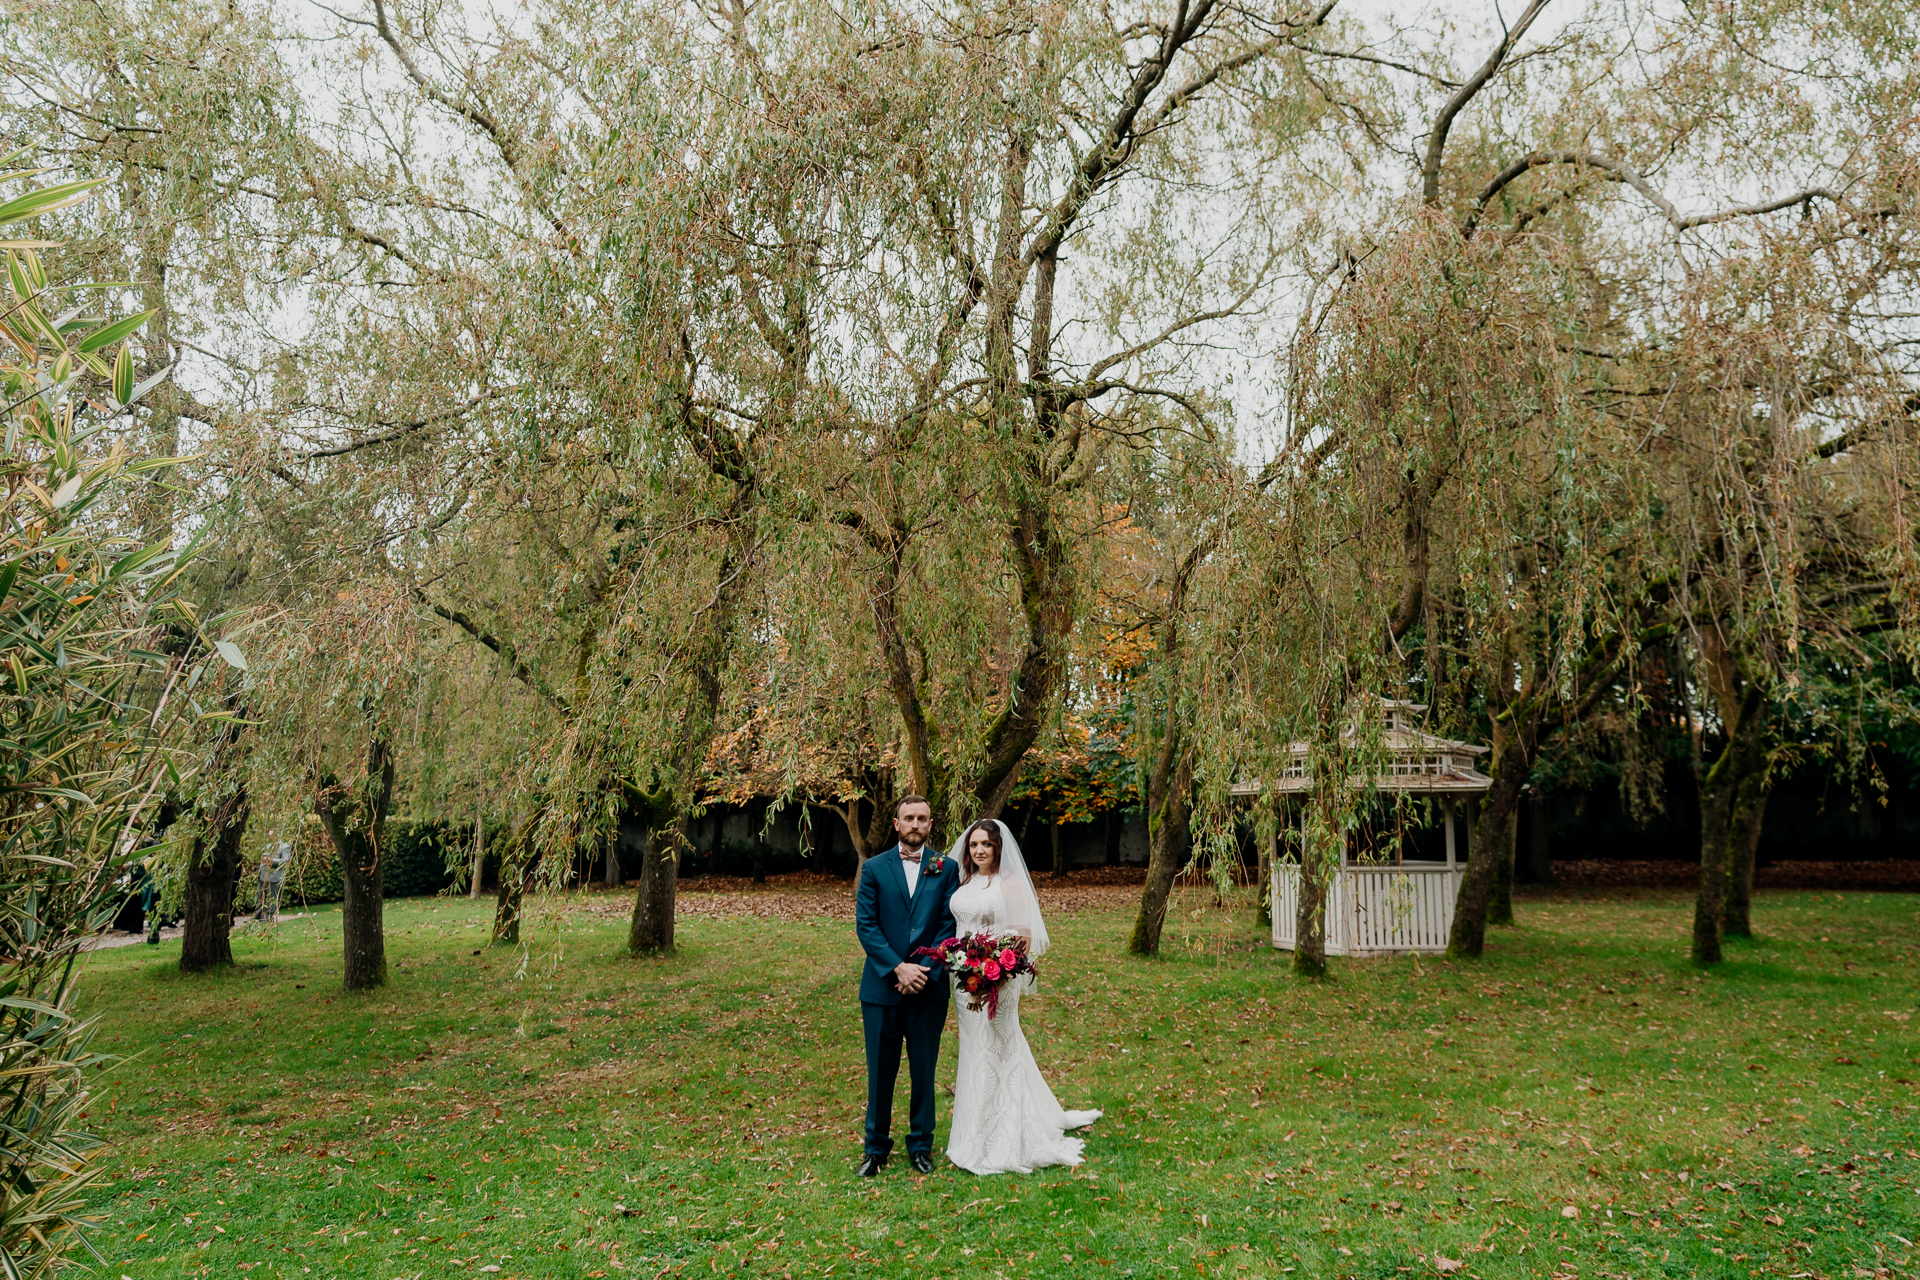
(891, 923)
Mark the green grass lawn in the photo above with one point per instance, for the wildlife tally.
(1580, 1102)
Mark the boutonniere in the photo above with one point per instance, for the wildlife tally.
(937, 863)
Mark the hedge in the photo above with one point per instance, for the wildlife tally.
(416, 865)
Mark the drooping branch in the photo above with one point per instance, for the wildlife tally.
(1128, 127)
(397, 430)
(505, 648)
(471, 114)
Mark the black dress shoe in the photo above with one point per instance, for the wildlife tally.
(872, 1165)
(921, 1163)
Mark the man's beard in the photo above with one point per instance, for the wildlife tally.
(913, 842)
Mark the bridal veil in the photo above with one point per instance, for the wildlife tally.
(1016, 886)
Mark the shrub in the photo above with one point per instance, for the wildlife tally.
(89, 716)
(416, 864)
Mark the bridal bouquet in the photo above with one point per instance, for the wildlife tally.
(983, 964)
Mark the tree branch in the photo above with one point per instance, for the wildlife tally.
(1855, 435)
(501, 139)
(1624, 172)
(518, 667)
(1443, 123)
(398, 430)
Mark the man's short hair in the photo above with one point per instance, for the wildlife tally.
(904, 801)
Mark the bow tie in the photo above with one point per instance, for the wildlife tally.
(910, 857)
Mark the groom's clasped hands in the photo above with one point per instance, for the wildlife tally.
(910, 978)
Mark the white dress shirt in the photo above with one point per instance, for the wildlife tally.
(913, 872)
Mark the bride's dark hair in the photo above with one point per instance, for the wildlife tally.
(966, 853)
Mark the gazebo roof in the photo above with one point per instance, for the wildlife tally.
(1418, 763)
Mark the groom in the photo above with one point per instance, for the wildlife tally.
(903, 903)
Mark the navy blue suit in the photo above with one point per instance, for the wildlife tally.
(891, 923)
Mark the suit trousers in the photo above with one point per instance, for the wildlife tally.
(916, 1023)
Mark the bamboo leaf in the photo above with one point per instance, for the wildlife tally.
(140, 391)
(114, 332)
(47, 199)
(123, 375)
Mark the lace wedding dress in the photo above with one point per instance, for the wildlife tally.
(1005, 1118)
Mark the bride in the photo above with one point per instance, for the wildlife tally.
(1005, 1119)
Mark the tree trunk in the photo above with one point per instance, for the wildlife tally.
(856, 831)
(1493, 829)
(479, 855)
(652, 929)
(1500, 900)
(1739, 762)
(1263, 891)
(1749, 812)
(1059, 867)
(355, 819)
(506, 908)
(213, 874)
(1169, 821)
(363, 917)
(518, 866)
(1317, 869)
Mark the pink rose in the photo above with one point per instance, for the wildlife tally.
(1008, 959)
(992, 971)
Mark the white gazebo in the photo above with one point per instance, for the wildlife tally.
(1377, 908)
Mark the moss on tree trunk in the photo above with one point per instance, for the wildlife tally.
(1310, 917)
(1740, 762)
(1500, 898)
(1169, 834)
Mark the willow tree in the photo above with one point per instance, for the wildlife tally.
(1049, 258)
(1754, 357)
(1786, 458)
(1515, 480)
(500, 373)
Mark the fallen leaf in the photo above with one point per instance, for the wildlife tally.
(1445, 1264)
(1569, 1211)
(1774, 1220)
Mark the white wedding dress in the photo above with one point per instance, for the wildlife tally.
(1005, 1118)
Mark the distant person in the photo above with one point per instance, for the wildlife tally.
(148, 889)
(273, 876)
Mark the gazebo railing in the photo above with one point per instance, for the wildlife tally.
(1374, 910)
